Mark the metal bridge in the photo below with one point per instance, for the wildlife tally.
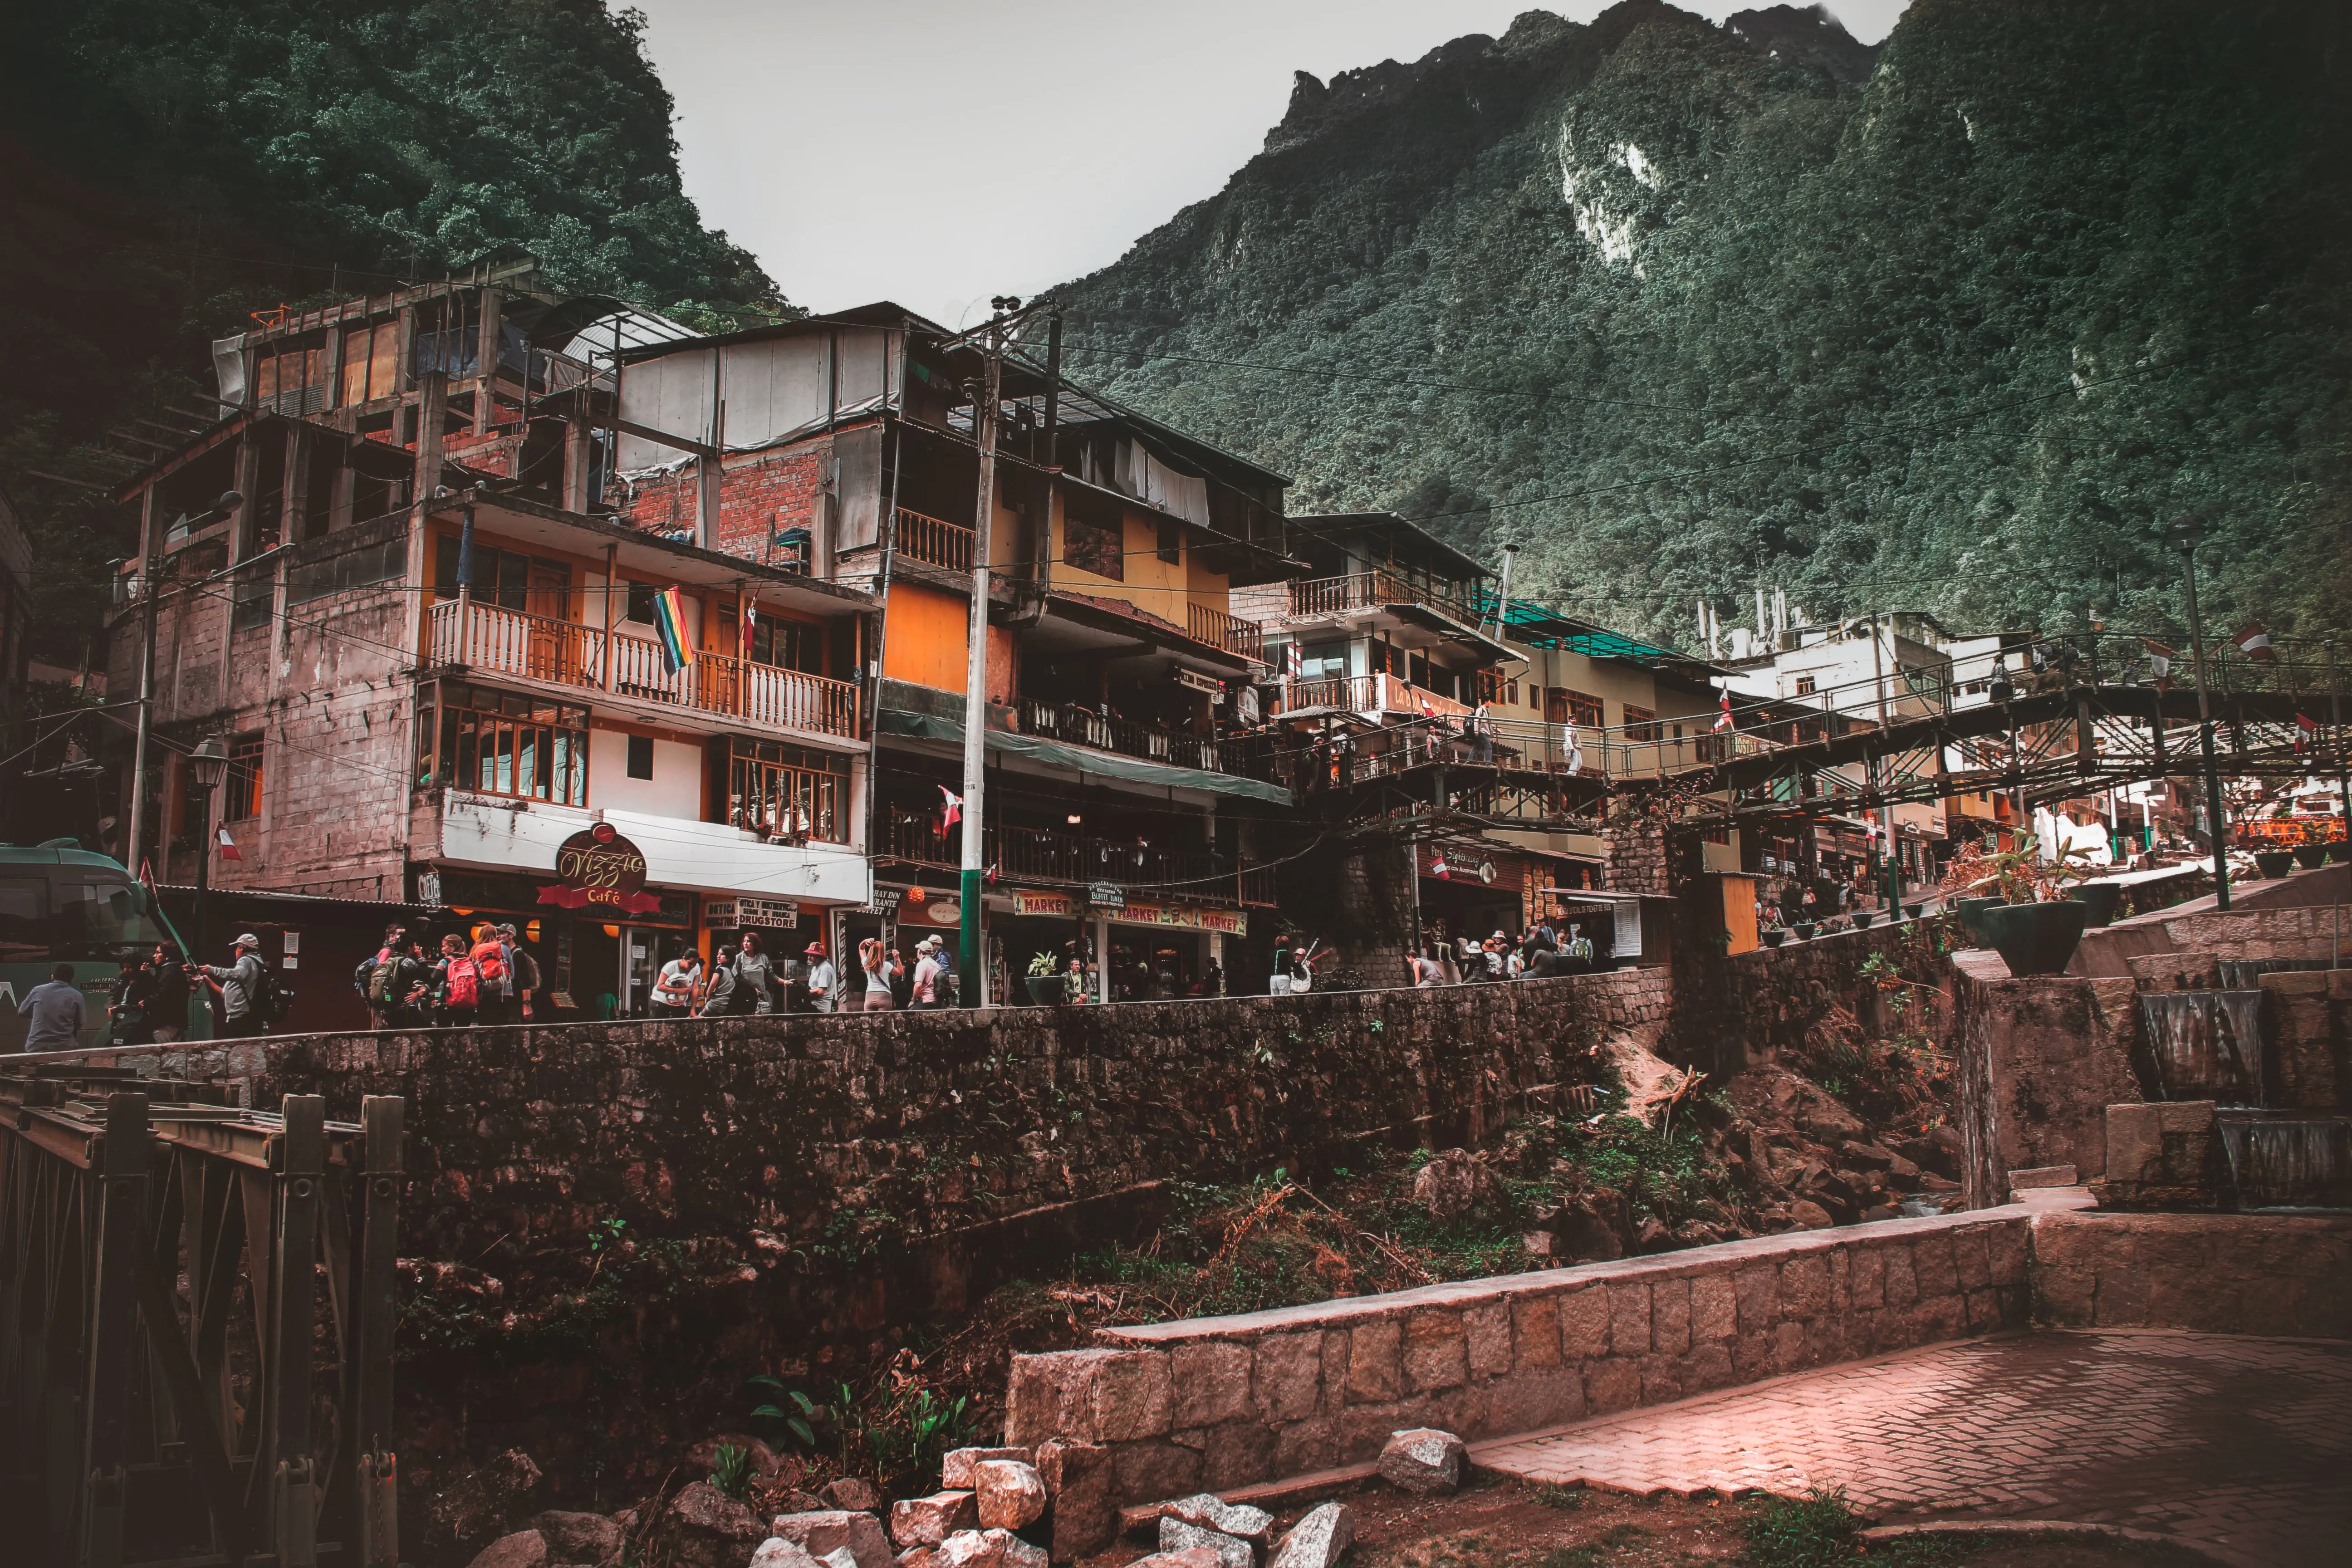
(197, 1308)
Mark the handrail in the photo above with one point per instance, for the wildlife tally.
(1217, 628)
(934, 541)
(1368, 591)
(1154, 742)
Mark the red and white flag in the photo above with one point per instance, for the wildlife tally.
(750, 621)
(1723, 719)
(952, 812)
(2306, 729)
(228, 846)
(1437, 866)
(2255, 644)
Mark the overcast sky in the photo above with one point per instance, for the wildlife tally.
(938, 152)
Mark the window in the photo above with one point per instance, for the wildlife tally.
(1804, 686)
(506, 578)
(641, 756)
(1323, 661)
(641, 602)
(1642, 725)
(495, 743)
(1172, 540)
(1092, 536)
(786, 644)
(788, 790)
(241, 785)
(1563, 706)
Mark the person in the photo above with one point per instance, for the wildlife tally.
(927, 973)
(1579, 951)
(875, 960)
(943, 954)
(755, 976)
(522, 969)
(379, 974)
(57, 1010)
(1515, 962)
(1497, 946)
(1425, 970)
(412, 988)
(823, 979)
(243, 986)
(1075, 990)
(1302, 974)
(167, 1008)
(492, 975)
(1482, 733)
(456, 984)
(1808, 904)
(126, 1017)
(902, 982)
(673, 996)
(718, 1001)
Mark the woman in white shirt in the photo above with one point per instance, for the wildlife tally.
(672, 995)
(874, 959)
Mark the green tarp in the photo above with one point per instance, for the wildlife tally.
(1084, 759)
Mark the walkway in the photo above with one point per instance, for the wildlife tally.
(2242, 1448)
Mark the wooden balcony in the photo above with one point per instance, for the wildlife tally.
(1207, 624)
(491, 641)
(934, 543)
(1329, 597)
(1370, 696)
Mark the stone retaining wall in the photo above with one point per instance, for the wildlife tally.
(2039, 1061)
(2287, 1275)
(1216, 1402)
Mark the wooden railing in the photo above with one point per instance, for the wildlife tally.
(1214, 626)
(492, 641)
(933, 542)
(1154, 742)
(1372, 695)
(1367, 591)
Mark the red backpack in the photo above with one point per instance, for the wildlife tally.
(489, 962)
(464, 983)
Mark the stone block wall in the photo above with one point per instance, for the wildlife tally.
(1215, 1403)
(1754, 1006)
(2288, 1275)
(2040, 1060)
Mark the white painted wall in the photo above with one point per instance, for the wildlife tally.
(675, 790)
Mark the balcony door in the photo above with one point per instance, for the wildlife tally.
(553, 652)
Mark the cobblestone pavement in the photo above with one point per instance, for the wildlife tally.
(2240, 1447)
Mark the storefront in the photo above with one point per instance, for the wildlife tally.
(1132, 951)
(1470, 891)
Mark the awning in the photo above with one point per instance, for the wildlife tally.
(1086, 760)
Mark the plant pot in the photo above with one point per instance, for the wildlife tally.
(2273, 863)
(2102, 899)
(1862, 919)
(2340, 851)
(1804, 930)
(1970, 910)
(1771, 937)
(2311, 857)
(1044, 990)
(1913, 911)
(2035, 939)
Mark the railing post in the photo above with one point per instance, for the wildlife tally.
(120, 1185)
(375, 1294)
(286, 1454)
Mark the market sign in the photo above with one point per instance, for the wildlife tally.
(600, 869)
(1107, 895)
(1065, 904)
(1069, 906)
(740, 914)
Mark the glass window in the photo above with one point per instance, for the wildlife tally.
(788, 790)
(641, 602)
(1641, 725)
(1323, 661)
(641, 756)
(500, 743)
(1563, 706)
(241, 785)
(1172, 540)
(786, 644)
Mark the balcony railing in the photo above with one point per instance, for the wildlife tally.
(1145, 871)
(934, 543)
(1153, 742)
(1369, 695)
(1356, 590)
(491, 640)
(1214, 626)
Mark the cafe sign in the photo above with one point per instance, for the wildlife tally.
(600, 869)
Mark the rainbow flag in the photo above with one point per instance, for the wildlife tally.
(670, 626)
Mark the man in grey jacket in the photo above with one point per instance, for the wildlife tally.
(241, 986)
(57, 1010)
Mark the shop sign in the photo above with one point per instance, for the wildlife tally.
(1107, 895)
(735, 915)
(943, 911)
(1192, 680)
(1062, 904)
(1231, 923)
(600, 869)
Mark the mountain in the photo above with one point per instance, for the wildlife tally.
(1960, 323)
(167, 165)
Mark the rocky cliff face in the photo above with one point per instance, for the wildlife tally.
(1958, 322)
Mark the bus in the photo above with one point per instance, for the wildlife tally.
(60, 903)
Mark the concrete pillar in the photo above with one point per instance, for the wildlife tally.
(432, 414)
(486, 362)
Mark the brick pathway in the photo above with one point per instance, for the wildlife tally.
(2242, 1448)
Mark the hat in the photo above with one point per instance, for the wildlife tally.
(926, 941)
(813, 950)
(1500, 937)
(248, 939)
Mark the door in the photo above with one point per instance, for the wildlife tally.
(639, 968)
(554, 647)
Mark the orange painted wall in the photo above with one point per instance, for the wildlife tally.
(923, 642)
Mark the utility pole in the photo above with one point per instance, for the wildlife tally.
(975, 680)
(149, 575)
(2184, 538)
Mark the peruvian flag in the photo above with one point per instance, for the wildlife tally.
(952, 812)
(2306, 729)
(1723, 718)
(1437, 866)
(2255, 644)
(228, 846)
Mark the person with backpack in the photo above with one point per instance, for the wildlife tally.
(522, 970)
(250, 999)
(755, 975)
(378, 976)
(167, 1005)
(492, 975)
(458, 985)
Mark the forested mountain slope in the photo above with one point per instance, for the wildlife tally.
(1679, 308)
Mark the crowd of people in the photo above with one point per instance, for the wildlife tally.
(746, 980)
(1541, 949)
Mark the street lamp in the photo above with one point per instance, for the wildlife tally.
(2186, 536)
(207, 765)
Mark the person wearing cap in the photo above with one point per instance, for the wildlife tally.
(240, 986)
(1497, 946)
(522, 969)
(822, 978)
(927, 973)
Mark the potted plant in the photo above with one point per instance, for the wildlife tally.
(1044, 980)
(2312, 853)
(2034, 928)
(1804, 929)
(2339, 850)
(1772, 936)
(2273, 863)
(1913, 911)
(1862, 919)
(2103, 898)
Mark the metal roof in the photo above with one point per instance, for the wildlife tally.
(1531, 626)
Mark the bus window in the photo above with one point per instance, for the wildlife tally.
(104, 912)
(24, 908)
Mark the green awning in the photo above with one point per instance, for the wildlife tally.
(1084, 759)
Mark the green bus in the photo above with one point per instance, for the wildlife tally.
(61, 904)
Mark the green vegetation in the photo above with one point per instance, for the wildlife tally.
(730, 1470)
(1963, 337)
(894, 1427)
(1813, 1531)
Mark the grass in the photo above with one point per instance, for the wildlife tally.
(1813, 1531)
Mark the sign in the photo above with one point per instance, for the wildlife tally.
(943, 911)
(1063, 904)
(1192, 680)
(1107, 895)
(600, 869)
(1186, 917)
(733, 914)
(1486, 872)
(428, 888)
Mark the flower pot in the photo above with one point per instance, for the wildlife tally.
(1970, 909)
(1862, 919)
(2340, 851)
(1804, 930)
(2311, 857)
(2035, 939)
(2273, 863)
(2102, 899)
(1913, 911)
(1044, 990)
(1771, 937)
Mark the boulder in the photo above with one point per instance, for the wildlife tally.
(791, 1499)
(474, 1510)
(987, 1549)
(955, 1466)
(1454, 1183)
(1011, 1495)
(1317, 1539)
(1422, 1459)
(523, 1549)
(854, 1493)
(1232, 1551)
(777, 1552)
(587, 1539)
(704, 1528)
(928, 1521)
(1805, 1215)
(1591, 1227)
(839, 1557)
(822, 1532)
(1190, 1557)
(1079, 1481)
(1254, 1525)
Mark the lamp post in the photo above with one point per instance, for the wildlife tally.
(207, 765)
(2184, 538)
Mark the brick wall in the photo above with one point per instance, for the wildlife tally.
(760, 495)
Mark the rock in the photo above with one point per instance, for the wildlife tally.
(1454, 1183)
(987, 1549)
(1536, 1243)
(1866, 1156)
(795, 1501)
(1011, 1494)
(928, 1521)
(1232, 1551)
(1422, 1459)
(1772, 1096)
(705, 1527)
(777, 1552)
(475, 1509)
(839, 1557)
(822, 1531)
(1079, 1481)
(523, 1549)
(1190, 1557)
(1654, 1236)
(955, 1466)
(1592, 1228)
(587, 1539)
(920, 1557)
(1317, 1539)
(1254, 1525)
(1806, 1214)
(852, 1493)
(1931, 1182)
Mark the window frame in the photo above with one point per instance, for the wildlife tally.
(241, 783)
(548, 739)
